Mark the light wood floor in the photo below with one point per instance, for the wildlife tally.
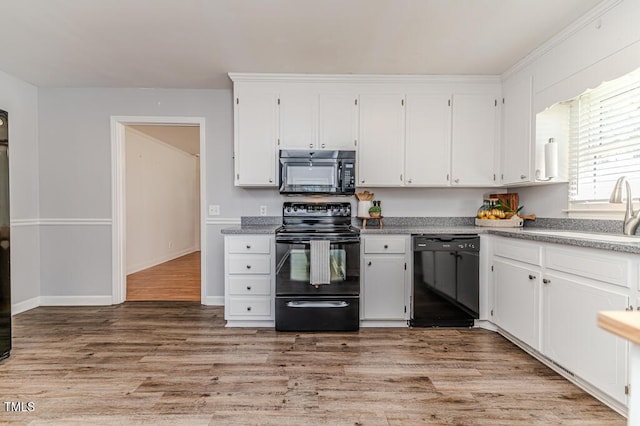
(161, 363)
(178, 279)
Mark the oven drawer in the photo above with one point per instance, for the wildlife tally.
(249, 264)
(317, 313)
(249, 307)
(250, 285)
(249, 245)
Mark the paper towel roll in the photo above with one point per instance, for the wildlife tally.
(551, 159)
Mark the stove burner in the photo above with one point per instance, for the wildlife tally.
(328, 220)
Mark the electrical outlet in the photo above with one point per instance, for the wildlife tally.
(214, 210)
(263, 210)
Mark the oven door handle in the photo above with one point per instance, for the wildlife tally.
(332, 240)
(317, 304)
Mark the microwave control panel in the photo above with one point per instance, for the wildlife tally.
(349, 175)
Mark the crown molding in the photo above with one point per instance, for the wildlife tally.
(360, 78)
(586, 19)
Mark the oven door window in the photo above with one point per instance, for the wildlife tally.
(300, 269)
(293, 269)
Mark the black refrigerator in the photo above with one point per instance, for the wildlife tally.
(5, 277)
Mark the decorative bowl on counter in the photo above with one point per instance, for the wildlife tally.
(514, 222)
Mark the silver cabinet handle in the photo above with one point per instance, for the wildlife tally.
(249, 308)
(409, 181)
(270, 180)
(523, 177)
(532, 277)
(323, 145)
(369, 264)
(248, 266)
(456, 180)
(310, 145)
(248, 288)
(361, 180)
(248, 246)
(546, 281)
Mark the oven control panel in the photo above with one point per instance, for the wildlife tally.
(316, 209)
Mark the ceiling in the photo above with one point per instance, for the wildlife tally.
(195, 43)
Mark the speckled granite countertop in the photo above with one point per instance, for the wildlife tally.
(252, 229)
(614, 242)
(425, 229)
(570, 232)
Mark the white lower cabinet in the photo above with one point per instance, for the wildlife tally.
(249, 280)
(517, 306)
(553, 307)
(385, 278)
(572, 337)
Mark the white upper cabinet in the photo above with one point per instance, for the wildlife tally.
(516, 149)
(427, 139)
(309, 120)
(255, 128)
(473, 139)
(298, 120)
(381, 143)
(423, 131)
(338, 121)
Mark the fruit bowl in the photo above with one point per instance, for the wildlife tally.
(514, 222)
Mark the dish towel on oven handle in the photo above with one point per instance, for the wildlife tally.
(320, 270)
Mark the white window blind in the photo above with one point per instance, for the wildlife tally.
(604, 140)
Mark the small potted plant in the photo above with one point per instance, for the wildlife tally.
(375, 211)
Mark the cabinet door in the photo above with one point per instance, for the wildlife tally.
(428, 140)
(473, 139)
(572, 338)
(338, 118)
(381, 150)
(383, 295)
(255, 138)
(298, 120)
(516, 300)
(516, 131)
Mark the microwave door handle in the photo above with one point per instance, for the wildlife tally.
(340, 183)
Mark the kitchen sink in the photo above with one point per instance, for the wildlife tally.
(586, 235)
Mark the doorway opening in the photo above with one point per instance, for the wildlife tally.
(158, 218)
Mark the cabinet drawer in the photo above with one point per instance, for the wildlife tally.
(249, 264)
(517, 250)
(249, 245)
(250, 285)
(249, 306)
(610, 269)
(384, 244)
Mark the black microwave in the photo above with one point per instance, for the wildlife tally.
(317, 172)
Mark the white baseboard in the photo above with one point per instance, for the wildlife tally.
(157, 261)
(213, 301)
(383, 323)
(75, 300)
(18, 308)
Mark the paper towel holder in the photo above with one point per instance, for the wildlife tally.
(550, 161)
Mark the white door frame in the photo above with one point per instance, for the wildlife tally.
(118, 205)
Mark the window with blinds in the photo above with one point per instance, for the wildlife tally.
(604, 140)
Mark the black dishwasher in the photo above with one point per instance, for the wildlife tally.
(445, 280)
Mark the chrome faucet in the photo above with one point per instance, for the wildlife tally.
(631, 218)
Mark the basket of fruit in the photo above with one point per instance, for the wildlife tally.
(500, 213)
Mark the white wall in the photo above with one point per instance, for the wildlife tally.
(162, 201)
(600, 48)
(20, 100)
